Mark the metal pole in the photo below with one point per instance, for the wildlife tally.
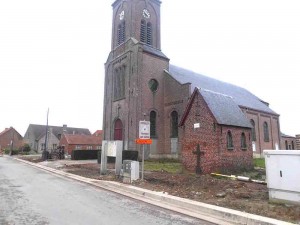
(143, 160)
(45, 155)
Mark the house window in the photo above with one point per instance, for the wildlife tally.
(119, 83)
(152, 124)
(43, 146)
(54, 146)
(286, 145)
(98, 147)
(89, 147)
(253, 134)
(266, 132)
(121, 32)
(229, 141)
(243, 141)
(293, 146)
(77, 147)
(174, 124)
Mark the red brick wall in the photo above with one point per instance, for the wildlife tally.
(291, 141)
(273, 124)
(213, 142)
(6, 137)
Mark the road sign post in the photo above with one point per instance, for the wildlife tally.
(144, 139)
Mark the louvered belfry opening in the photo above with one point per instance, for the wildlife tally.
(149, 34)
(143, 31)
(146, 32)
(121, 33)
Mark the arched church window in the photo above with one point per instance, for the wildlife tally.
(243, 141)
(266, 132)
(174, 124)
(143, 31)
(229, 140)
(152, 124)
(149, 33)
(118, 130)
(286, 145)
(153, 85)
(253, 134)
(121, 32)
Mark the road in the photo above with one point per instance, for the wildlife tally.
(32, 196)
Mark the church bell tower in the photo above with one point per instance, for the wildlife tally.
(134, 74)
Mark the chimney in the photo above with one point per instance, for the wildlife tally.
(64, 128)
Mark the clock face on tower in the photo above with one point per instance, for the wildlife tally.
(122, 14)
(146, 13)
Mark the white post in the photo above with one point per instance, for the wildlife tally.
(143, 159)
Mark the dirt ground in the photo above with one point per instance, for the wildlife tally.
(238, 195)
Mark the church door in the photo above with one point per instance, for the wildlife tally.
(118, 130)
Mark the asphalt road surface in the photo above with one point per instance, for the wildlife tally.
(32, 196)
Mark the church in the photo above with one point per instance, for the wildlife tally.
(191, 116)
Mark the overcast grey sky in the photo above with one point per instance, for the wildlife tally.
(52, 54)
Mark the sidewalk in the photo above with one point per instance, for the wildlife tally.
(188, 207)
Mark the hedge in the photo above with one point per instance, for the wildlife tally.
(126, 155)
(84, 154)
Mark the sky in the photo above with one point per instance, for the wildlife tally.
(52, 55)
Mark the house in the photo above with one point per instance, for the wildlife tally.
(288, 142)
(35, 135)
(218, 126)
(72, 142)
(98, 133)
(10, 138)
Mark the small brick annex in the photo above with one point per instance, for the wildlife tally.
(212, 138)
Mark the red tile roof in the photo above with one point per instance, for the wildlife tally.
(77, 139)
(97, 133)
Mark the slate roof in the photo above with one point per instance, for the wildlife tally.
(240, 96)
(224, 109)
(77, 139)
(154, 51)
(286, 136)
(40, 130)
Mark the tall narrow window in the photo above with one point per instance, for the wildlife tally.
(143, 31)
(174, 124)
(229, 140)
(152, 124)
(149, 33)
(243, 141)
(266, 132)
(121, 32)
(293, 145)
(253, 134)
(286, 145)
(119, 83)
(118, 128)
(146, 32)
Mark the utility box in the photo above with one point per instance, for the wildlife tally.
(283, 175)
(131, 171)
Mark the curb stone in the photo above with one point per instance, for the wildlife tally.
(203, 211)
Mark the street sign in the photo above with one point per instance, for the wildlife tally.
(144, 130)
(143, 141)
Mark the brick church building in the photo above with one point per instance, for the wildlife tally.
(185, 109)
